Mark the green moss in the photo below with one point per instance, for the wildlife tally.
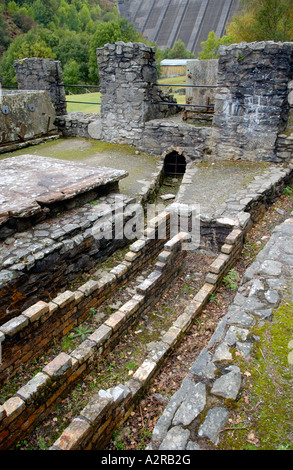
(268, 412)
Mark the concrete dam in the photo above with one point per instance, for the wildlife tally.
(166, 21)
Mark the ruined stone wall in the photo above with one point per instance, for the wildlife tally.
(160, 137)
(34, 400)
(42, 74)
(251, 104)
(128, 74)
(26, 116)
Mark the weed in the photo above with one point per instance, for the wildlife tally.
(82, 332)
(42, 443)
(67, 343)
(231, 279)
(131, 365)
(214, 299)
(287, 191)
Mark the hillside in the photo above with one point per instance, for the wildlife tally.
(166, 21)
(66, 30)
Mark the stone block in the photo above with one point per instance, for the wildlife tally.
(228, 385)
(131, 256)
(96, 410)
(214, 423)
(218, 265)
(58, 366)
(84, 351)
(116, 320)
(34, 312)
(148, 284)
(192, 405)
(120, 270)
(13, 407)
(145, 372)
(34, 387)
(64, 299)
(90, 287)
(176, 439)
(171, 337)
(101, 335)
(15, 325)
(130, 307)
(204, 293)
(137, 245)
(74, 435)
(227, 249)
(233, 237)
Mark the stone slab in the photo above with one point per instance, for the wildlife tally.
(29, 182)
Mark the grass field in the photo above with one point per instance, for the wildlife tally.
(91, 98)
(84, 108)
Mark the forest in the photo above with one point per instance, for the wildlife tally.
(65, 30)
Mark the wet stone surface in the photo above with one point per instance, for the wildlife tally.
(28, 183)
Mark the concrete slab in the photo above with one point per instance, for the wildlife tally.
(30, 182)
(211, 184)
(140, 166)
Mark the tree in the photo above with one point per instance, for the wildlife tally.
(210, 47)
(74, 47)
(73, 19)
(71, 74)
(84, 16)
(263, 20)
(28, 45)
(179, 51)
(4, 38)
(109, 33)
(44, 11)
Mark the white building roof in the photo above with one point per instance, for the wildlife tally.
(173, 62)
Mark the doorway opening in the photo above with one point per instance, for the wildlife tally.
(174, 164)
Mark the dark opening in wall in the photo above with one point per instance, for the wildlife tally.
(174, 164)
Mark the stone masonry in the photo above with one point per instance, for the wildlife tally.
(198, 411)
(42, 74)
(125, 108)
(251, 104)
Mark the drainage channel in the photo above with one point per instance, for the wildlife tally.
(126, 361)
(122, 362)
(122, 292)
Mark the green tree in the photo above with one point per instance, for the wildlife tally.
(4, 38)
(44, 11)
(263, 20)
(71, 74)
(84, 16)
(74, 46)
(109, 32)
(210, 47)
(28, 45)
(73, 19)
(179, 51)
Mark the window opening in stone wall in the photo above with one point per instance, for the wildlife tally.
(174, 164)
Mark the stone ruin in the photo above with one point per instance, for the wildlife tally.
(49, 241)
(250, 119)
